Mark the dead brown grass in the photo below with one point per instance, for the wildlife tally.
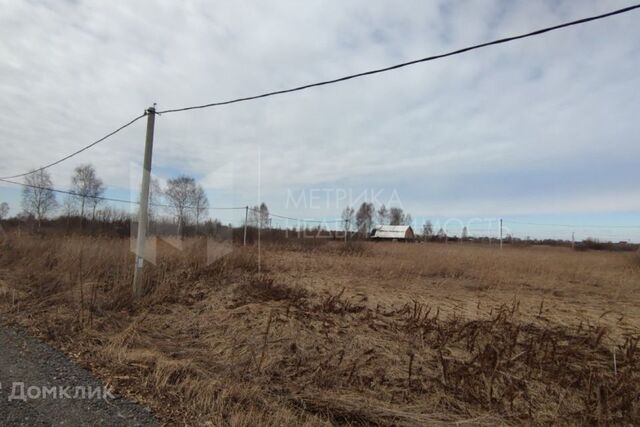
(318, 334)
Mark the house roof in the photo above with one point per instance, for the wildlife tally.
(391, 231)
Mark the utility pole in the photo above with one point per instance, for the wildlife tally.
(143, 214)
(500, 233)
(573, 240)
(246, 218)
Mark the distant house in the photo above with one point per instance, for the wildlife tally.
(392, 232)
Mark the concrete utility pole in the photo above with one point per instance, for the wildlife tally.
(143, 214)
(500, 233)
(246, 218)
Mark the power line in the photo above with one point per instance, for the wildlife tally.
(298, 219)
(340, 79)
(406, 64)
(110, 134)
(301, 220)
(110, 199)
(71, 193)
(157, 205)
(572, 225)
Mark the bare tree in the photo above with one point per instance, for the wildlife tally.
(398, 217)
(4, 210)
(200, 204)
(383, 215)
(427, 230)
(348, 216)
(408, 219)
(180, 193)
(94, 202)
(69, 208)
(156, 196)
(87, 187)
(364, 218)
(265, 221)
(259, 216)
(254, 216)
(38, 199)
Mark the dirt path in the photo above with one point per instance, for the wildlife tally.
(41, 387)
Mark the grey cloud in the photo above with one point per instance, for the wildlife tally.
(70, 72)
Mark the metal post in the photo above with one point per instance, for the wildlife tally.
(143, 214)
(246, 218)
(500, 233)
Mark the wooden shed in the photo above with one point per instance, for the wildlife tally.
(392, 232)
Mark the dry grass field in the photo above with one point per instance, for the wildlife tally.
(318, 333)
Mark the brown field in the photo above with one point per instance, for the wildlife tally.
(318, 333)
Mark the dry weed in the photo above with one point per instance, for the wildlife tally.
(382, 335)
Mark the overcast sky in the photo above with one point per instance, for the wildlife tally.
(542, 129)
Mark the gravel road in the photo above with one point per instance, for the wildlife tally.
(56, 391)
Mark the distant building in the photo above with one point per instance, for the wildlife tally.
(392, 232)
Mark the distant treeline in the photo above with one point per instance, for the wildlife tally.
(181, 208)
(121, 224)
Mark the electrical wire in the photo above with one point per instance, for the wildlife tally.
(297, 219)
(110, 134)
(132, 202)
(217, 208)
(340, 79)
(71, 193)
(110, 199)
(405, 64)
(571, 225)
